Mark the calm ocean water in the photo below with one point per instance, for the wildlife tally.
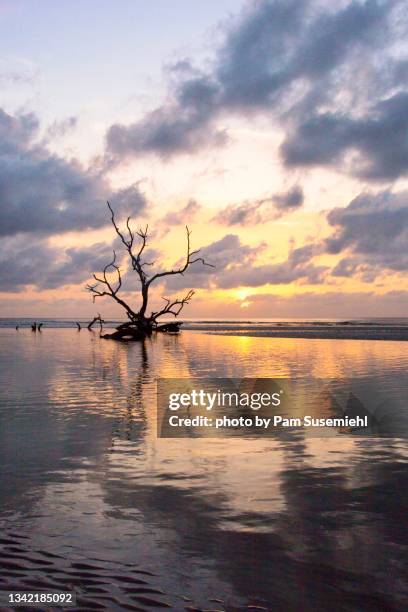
(91, 500)
(218, 324)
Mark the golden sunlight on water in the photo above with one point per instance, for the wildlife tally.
(85, 477)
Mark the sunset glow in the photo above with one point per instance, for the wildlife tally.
(172, 126)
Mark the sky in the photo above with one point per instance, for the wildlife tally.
(276, 130)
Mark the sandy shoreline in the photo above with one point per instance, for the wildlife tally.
(319, 333)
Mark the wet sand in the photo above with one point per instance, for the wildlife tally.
(99, 583)
(316, 331)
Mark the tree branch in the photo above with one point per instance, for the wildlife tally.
(129, 242)
(108, 289)
(188, 262)
(173, 307)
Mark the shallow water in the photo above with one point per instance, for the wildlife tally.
(91, 500)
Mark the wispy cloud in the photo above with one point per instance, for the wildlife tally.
(262, 210)
(184, 215)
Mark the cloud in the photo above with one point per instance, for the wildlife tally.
(235, 266)
(250, 212)
(183, 216)
(33, 262)
(222, 254)
(253, 64)
(178, 127)
(374, 228)
(76, 265)
(59, 128)
(15, 78)
(297, 267)
(276, 44)
(41, 193)
(378, 141)
(289, 200)
(296, 61)
(253, 212)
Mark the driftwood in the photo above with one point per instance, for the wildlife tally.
(126, 332)
(125, 335)
(96, 319)
(140, 324)
(129, 331)
(172, 328)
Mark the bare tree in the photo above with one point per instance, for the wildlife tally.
(140, 323)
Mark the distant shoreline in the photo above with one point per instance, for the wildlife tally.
(393, 329)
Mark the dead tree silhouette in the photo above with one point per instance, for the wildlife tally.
(140, 324)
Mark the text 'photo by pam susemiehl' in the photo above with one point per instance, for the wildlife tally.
(274, 407)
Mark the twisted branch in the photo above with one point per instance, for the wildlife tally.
(108, 289)
(173, 307)
(188, 262)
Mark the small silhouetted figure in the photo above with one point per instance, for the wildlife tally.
(40, 326)
(17, 326)
(78, 326)
(34, 327)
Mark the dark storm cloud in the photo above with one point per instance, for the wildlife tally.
(253, 212)
(373, 231)
(43, 193)
(289, 59)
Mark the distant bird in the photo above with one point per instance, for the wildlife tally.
(34, 327)
(40, 326)
(78, 326)
(17, 326)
